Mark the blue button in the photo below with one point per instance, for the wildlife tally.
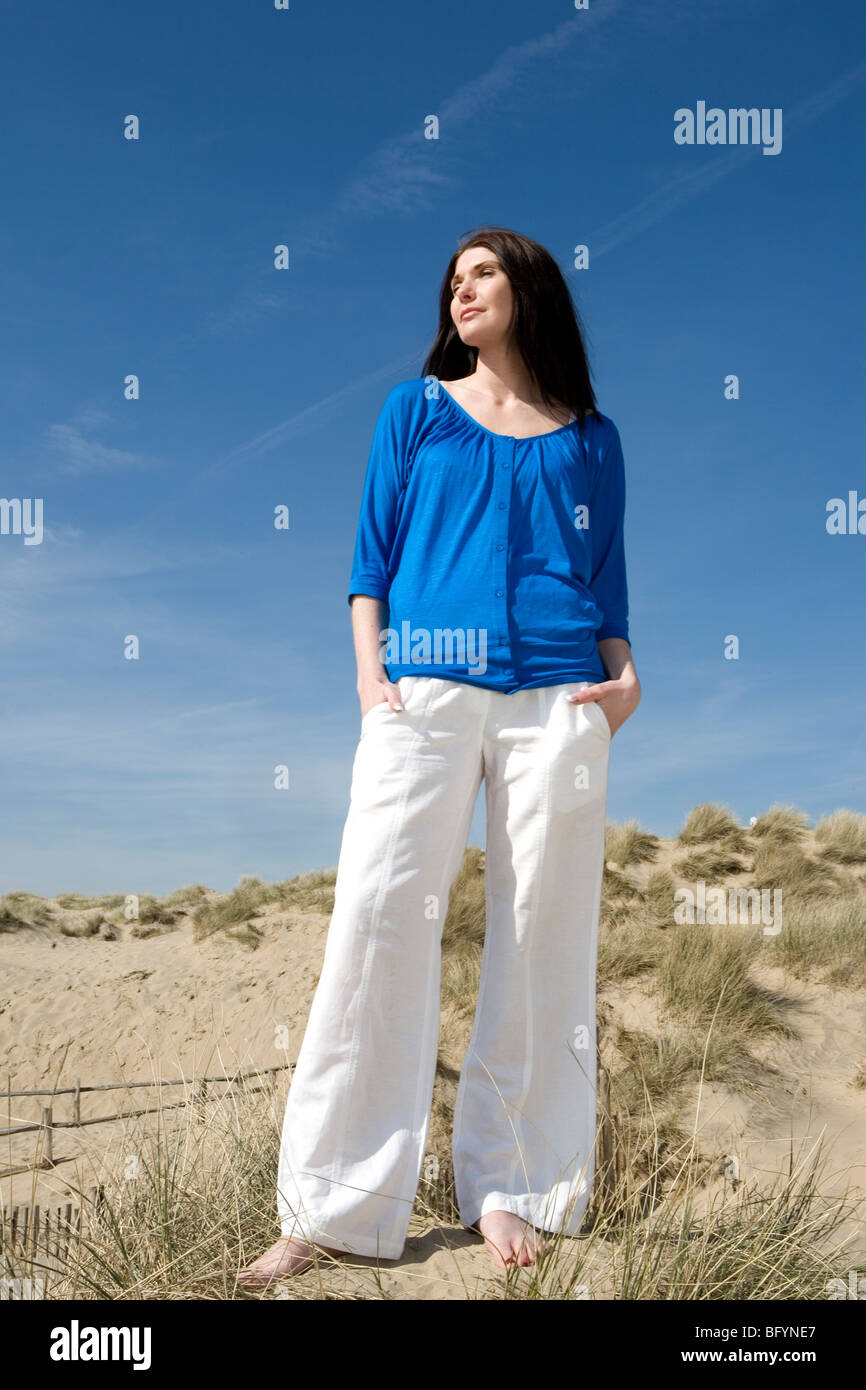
(499, 547)
(499, 593)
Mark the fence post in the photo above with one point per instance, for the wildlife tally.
(76, 1101)
(606, 1158)
(48, 1159)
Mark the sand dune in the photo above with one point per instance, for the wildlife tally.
(133, 1008)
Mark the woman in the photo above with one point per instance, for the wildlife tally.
(489, 611)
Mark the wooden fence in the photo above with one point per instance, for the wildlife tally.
(47, 1124)
(46, 1231)
(43, 1232)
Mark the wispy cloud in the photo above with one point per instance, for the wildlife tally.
(247, 310)
(399, 178)
(82, 454)
(302, 420)
(662, 202)
(75, 579)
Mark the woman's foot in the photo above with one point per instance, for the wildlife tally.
(511, 1239)
(286, 1256)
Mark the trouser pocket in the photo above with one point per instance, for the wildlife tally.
(383, 710)
(592, 711)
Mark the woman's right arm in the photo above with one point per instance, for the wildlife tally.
(374, 557)
(369, 618)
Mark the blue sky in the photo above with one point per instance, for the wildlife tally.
(261, 387)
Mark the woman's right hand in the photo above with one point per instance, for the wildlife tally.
(378, 691)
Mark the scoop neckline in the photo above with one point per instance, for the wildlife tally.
(516, 438)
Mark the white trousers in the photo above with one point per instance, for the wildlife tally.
(358, 1108)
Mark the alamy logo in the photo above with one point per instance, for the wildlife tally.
(438, 646)
(736, 126)
(736, 906)
(77, 1343)
(17, 519)
(847, 520)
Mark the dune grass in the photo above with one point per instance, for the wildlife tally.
(658, 905)
(667, 1225)
(825, 940)
(709, 823)
(13, 915)
(76, 914)
(712, 862)
(192, 1201)
(463, 935)
(705, 974)
(626, 843)
(25, 909)
(157, 915)
(312, 891)
(795, 872)
(89, 924)
(842, 836)
(80, 902)
(626, 951)
(234, 915)
(781, 825)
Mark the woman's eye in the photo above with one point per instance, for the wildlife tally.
(488, 271)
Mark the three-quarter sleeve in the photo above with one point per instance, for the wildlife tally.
(383, 485)
(608, 584)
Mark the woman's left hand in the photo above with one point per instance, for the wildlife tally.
(617, 699)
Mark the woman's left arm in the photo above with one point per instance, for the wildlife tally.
(619, 695)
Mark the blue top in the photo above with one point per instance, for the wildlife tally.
(501, 559)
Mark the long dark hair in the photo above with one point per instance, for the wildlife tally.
(546, 325)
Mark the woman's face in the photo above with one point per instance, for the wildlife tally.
(482, 303)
